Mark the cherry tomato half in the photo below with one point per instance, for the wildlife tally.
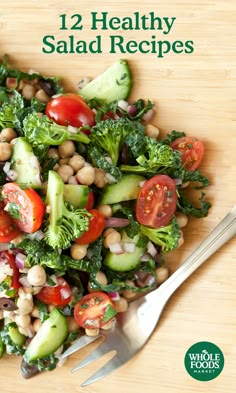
(191, 150)
(58, 295)
(8, 229)
(25, 206)
(157, 200)
(10, 260)
(90, 201)
(91, 311)
(70, 109)
(96, 226)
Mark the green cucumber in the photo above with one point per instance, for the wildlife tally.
(113, 84)
(49, 338)
(16, 337)
(2, 348)
(126, 261)
(126, 189)
(26, 164)
(76, 194)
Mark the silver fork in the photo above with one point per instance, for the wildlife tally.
(133, 328)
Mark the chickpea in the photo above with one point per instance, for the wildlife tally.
(25, 306)
(182, 219)
(35, 312)
(5, 151)
(23, 320)
(129, 293)
(66, 149)
(63, 161)
(53, 153)
(106, 210)
(37, 325)
(92, 332)
(78, 251)
(152, 131)
(86, 175)
(42, 96)
(72, 324)
(76, 162)
(11, 83)
(36, 275)
(65, 172)
(7, 134)
(28, 92)
(100, 180)
(121, 305)
(162, 274)
(101, 278)
(181, 240)
(112, 238)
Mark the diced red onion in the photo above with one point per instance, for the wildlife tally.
(123, 104)
(11, 175)
(116, 248)
(24, 282)
(145, 257)
(147, 117)
(142, 183)
(149, 280)
(151, 249)
(178, 181)
(89, 253)
(72, 180)
(116, 222)
(92, 322)
(115, 296)
(65, 294)
(141, 275)
(20, 260)
(132, 110)
(110, 179)
(6, 167)
(129, 247)
(72, 130)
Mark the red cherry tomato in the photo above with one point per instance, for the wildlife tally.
(191, 150)
(8, 229)
(96, 226)
(70, 109)
(10, 260)
(90, 311)
(25, 206)
(58, 295)
(157, 200)
(90, 201)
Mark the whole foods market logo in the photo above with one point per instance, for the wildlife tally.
(204, 361)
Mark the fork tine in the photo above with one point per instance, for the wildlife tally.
(110, 366)
(78, 344)
(101, 350)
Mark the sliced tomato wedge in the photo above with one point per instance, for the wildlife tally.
(157, 201)
(191, 150)
(58, 295)
(8, 230)
(94, 310)
(90, 201)
(96, 226)
(9, 258)
(24, 206)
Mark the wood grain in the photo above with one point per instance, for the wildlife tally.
(194, 93)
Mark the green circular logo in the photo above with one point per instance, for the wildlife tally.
(204, 361)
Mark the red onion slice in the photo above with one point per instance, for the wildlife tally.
(20, 260)
(115, 222)
(115, 296)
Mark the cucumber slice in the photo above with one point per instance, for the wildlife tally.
(17, 338)
(76, 194)
(126, 189)
(126, 261)
(113, 84)
(26, 164)
(49, 338)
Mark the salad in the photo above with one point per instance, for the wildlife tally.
(92, 199)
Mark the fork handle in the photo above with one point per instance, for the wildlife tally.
(222, 233)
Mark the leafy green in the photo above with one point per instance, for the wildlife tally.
(118, 210)
(10, 111)
(99, 160)
(172, 137)
(2, 347)
(187, 207)
(166, 237)
(10, 345)
(64, 223)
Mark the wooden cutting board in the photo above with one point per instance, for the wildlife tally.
(193, 92)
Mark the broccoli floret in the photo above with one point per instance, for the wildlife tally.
(166, 237)
(108, 135)
(40, 130)
(10, 111)
(155, 158)
(38, 252)
(64, 223)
